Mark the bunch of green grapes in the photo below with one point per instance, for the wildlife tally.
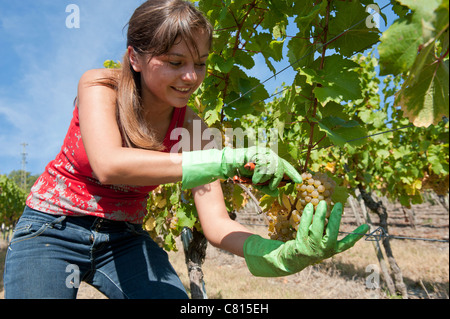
(315, 188)
(282, 223)
(284, 215)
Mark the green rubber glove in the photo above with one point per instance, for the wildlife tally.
(203, 167)
(272, 258)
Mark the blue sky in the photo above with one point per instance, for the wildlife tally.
(41, 61)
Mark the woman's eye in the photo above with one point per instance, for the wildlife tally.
(175, 63)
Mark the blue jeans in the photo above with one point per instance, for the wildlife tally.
(49, 255)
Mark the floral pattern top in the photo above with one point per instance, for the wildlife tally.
(69, 187)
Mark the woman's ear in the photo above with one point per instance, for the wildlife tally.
(134, 59)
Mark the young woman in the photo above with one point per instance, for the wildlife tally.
(83, 219)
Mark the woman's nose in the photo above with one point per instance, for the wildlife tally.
(189, 75)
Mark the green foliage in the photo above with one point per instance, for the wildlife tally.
(416, 46)
(110, 64)
(393, 164)
(17, 175)
(323, 119)
(170, 210)
(12, 201)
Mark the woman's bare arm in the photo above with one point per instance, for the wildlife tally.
(220, 230)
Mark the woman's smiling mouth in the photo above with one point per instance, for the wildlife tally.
(181, 90)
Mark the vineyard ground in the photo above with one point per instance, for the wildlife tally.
(425, 265)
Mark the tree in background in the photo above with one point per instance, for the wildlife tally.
(17, 176)
(12, 201)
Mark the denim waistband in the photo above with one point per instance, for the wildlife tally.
(86, 222)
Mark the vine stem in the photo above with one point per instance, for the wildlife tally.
(239, 25)
(250, 194)
(312, 124)
(444, 56)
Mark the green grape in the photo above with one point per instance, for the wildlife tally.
(284, 219)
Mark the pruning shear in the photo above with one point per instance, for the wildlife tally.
(248, 180)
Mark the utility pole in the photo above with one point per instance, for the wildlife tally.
(24, 166)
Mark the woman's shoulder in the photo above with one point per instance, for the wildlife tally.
(103, 81)
(97, 87)
(95, 75)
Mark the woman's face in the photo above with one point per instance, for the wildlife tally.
(169, 80)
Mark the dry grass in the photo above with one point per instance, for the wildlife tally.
(341, 277)
(228, 277)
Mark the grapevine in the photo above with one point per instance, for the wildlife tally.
(323, 117)
(233, 196)
(12, 201)
(436, 183)
(284, 214)
(169, 211)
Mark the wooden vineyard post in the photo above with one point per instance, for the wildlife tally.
(194, 244)
(378, 208)
(351, 200)
(376, 245)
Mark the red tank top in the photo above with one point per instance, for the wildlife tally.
(68, 186)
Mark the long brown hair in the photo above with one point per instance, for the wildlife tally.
(152, 30)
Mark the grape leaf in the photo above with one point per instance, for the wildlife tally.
(341, 132)
(308, 11)
(245, 59)
(424, 95)
(423, 9)
(212, 112)
(300, 52)
(174, 198)
(377, 119)
(338, 81)
(110, 64)
(434, 158)
(340, 194)
(221, 64)
(400, 43)
(398, 47)
(266, 201)
(269, 48)
(358, 36)
(186, 216)
(169, 241)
